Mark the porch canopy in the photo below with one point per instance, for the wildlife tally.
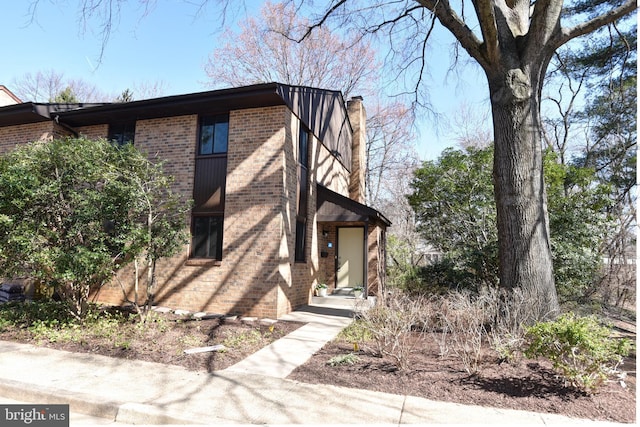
(334, 207)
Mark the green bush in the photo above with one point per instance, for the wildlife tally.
(580, 348)
(42, 313)
(74, 211)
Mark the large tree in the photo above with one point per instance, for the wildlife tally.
(513, 45)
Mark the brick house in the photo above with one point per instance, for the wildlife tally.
(276, 174)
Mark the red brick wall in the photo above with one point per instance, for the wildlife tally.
(94, 132)
(254, 268)
(10, 136)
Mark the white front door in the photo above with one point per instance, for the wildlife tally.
(350, 265)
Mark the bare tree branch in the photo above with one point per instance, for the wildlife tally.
(599, 21)
(452, 21)
(487, 19)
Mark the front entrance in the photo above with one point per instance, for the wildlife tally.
(350, 257)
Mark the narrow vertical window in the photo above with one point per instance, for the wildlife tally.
(209, 188)
(303, 195)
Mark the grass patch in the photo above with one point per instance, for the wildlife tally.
(241, 338)
(356, 332)
(343, 359)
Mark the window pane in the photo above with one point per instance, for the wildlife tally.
(221, 135)
(200, 237)
(303, 147)
(206, 138)
(300, 240)
(215, 238)
(207, 237)
(303, 185)
(122, 133)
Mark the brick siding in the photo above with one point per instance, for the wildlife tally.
(257, 275)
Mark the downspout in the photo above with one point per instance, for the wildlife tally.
(365, 276)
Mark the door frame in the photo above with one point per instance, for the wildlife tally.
(365, 257)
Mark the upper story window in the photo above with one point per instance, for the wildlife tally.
(303, 195)
(122, 133)
(303, 148)
(214, 135)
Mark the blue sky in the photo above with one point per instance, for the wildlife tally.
(171, 44)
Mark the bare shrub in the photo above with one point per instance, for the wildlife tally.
(396, 325)
(507, 332)
(464, 318)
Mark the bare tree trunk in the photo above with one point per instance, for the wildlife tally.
(523, 220)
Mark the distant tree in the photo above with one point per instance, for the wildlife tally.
(66, 96)
(45, 86)
(264, 51)
(73, 211)
(390, 153)
(125, 96)
(139, 91)
(595, 98)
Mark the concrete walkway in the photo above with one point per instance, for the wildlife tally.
(251, 392)
(279, 359)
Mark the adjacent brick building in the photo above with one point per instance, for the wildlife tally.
(276, 175)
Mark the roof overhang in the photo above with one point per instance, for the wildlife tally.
(32, 112)
(211, 102)
(334, 207)
(322, 111)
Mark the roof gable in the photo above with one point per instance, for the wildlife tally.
(334, 207)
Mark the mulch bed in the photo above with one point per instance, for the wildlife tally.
(165, 342)
(529, 385)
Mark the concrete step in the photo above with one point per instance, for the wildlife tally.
(343, 301)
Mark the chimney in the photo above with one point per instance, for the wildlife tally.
(358, 119)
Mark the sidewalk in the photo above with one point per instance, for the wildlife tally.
(252, 392)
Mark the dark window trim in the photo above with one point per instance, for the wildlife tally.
(217, 118)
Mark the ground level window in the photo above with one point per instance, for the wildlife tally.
(301, 228)
(207, 237)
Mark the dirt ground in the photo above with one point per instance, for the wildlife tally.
(527, 385)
